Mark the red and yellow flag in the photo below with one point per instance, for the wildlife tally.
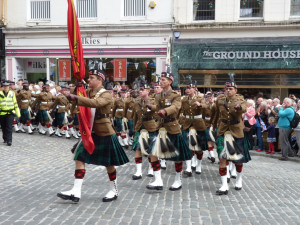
(78, 65)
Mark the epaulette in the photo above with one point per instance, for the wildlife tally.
(221, 96)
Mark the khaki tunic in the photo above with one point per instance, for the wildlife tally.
(209, 113)
(190, 109)
(223, 114)
(128, 111)
(43, 101)
(141, 111)
(171, 103)
(61, 100)
(120, 105)
(103, 104)
(23, 98)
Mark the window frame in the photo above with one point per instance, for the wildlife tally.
(123, 17)
(293, 17)
(203, 21)
(251, 18)
(87, 18)
(29, 19)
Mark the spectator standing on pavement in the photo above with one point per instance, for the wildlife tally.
(271, 136)
(8, 110)
(286, 114)
(258, 130)
(297, 130)
(249, 121)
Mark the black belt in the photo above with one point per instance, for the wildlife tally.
(101, 116)
(168, 119)
(231, 122)
(147, 118)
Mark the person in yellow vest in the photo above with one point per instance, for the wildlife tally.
(8, 110)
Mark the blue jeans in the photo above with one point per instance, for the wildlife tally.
(259, 136)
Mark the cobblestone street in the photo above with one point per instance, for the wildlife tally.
(36, 167)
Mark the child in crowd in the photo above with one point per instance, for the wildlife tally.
(271, 135)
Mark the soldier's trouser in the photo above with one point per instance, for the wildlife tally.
(6, 125)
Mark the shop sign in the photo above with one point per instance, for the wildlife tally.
(64, 66)
(35, 65)
(90, 41)
(120, 69)
(292, 54)
(235, 56)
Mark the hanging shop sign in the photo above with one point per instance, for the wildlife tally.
(64, 66)
(120, 69)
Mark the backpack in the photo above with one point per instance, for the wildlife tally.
(295, 121)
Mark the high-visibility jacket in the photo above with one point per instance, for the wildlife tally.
(8, 104)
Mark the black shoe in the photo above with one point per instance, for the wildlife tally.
(188, 174)
(233, 177)
(193, 168)
(8, 143)
(238, 188)
(218, 192)
(150, 175)
(212, 159)
(150, 187)
(228, 180)
(105, 199)
(68, 197)
(197, 172)
(163, 167)
(134, 177)
(175, 189)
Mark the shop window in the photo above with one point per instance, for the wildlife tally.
(295, 8)
(40, 9)
(134, 8)
(204, 9)
(86, 9)
(251, 8)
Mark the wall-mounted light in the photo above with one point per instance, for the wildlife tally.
(152, 4)
(176, 34)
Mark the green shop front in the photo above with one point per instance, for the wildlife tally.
(270, 66)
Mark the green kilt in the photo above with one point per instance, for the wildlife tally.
(75, 122)
(119, 124)
(201, 135)
(207, 134)
(184, 152)
(43, 116)
(59, 119)
(241, 142)
(108, 152)
(136, 144)
(24, 116)
(130, 127)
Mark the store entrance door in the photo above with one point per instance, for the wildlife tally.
(36, 77)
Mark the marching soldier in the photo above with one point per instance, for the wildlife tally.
(128, 112)
(209, 114)
(194, 127)
(8, 109)
(108, 152)
(62, 104)
(24, 98)
(145, 131)
(118, 115)
(170, 140)
(42, 102)
(230, 135)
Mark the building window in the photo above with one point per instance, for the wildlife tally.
(134, 8)
(40, 9)
(86, 9)
(204, 9)
(295, 8)
(251, 8)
